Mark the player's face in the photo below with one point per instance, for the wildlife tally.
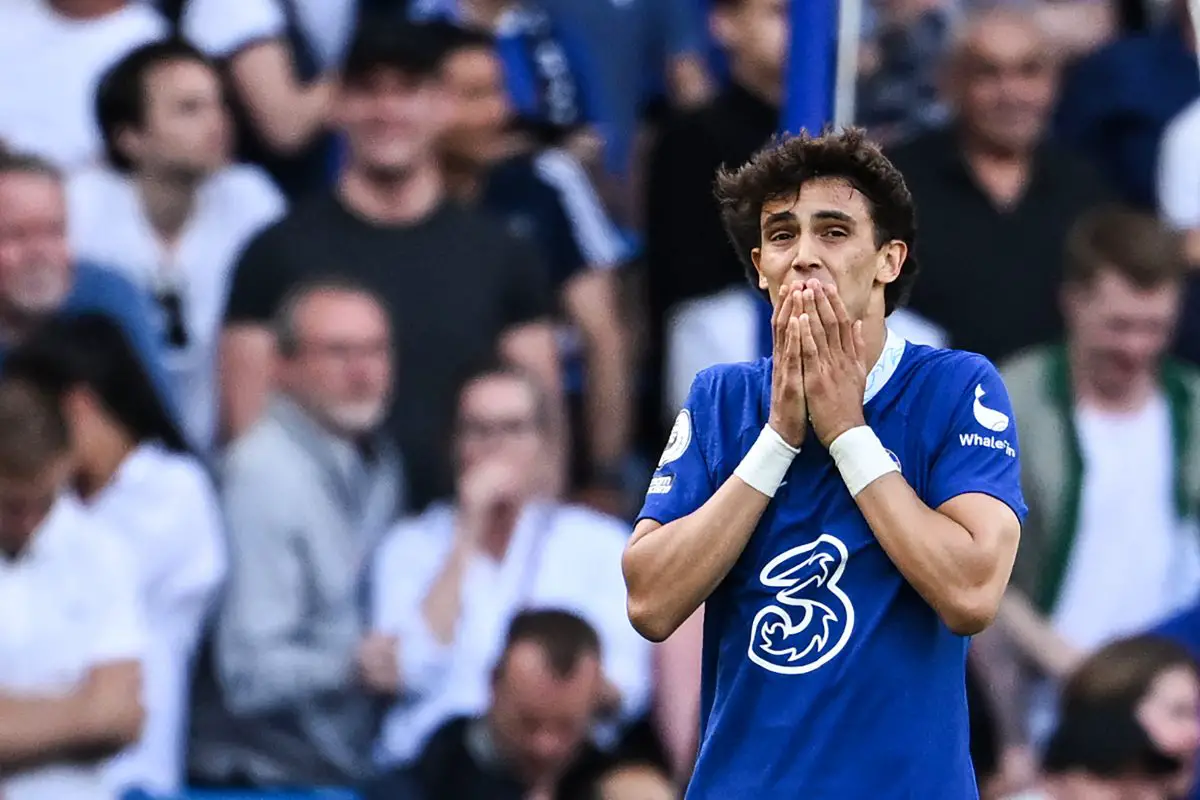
(341, 370)
(391, 120)
(1170, 713)
(540, 719)
(1118, 330)
(35, 261)
(498, 421)
(825, 231)
(187, 128)
(479, 110)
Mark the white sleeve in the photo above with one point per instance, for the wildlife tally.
(222, 27)
(405, 565)
(120, 632)
(1179, 170)
(593, 230)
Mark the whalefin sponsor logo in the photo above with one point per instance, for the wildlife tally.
(989, 418)
(989, 442)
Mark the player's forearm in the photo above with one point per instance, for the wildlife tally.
(670, 570)
(960, 573)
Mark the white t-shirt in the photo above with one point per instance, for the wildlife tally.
(70, 603)
(1134, 562)
(1179, 170)
(560, 556)
(109, 227)
(51, 66)
(223, 27)
(164, 506)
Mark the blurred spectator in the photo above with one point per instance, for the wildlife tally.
(701, 311)
(40, 278)
(531, 741)
(634, 782)
(1103, 753)
(168, 212)
(279, 57)
(308, 491)
(448, 582)
(1107, 550)
(898, 80)
(72, 634)
(1179, 205)
(1002, 197)
(546, 196)
(1117, 102)
(456, 284)
(52, 53)
(1159, 680)
(134, 474)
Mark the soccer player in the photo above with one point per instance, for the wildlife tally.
(848, 509)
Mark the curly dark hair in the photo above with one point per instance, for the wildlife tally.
(788, 162)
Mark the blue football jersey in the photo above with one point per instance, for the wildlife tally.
(825, 675)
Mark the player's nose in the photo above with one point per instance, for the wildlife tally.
(805, 260)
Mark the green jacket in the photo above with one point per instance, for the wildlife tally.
(1039, 385)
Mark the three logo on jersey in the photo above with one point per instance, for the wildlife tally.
(811, 619)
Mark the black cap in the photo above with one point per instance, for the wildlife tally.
(383, 43)
(1106, 741)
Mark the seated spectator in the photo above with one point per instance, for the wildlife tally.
(545, 196)
(1002, 194)
(134, 474)
(40, 278)
(530, 742)
(168, 212)
(279, 58)
(458, 287)
(53, 53)
(447, 583)
(1108, 116)
(547, 69)
(1106, 551)
(72, 634)
(1102, 753)
(1160, 681)
(307, 493)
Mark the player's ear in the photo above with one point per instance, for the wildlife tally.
(891, 260)
(755, 259)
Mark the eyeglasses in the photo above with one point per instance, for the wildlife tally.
(495, 428)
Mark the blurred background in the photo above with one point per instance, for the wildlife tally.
(347, 334)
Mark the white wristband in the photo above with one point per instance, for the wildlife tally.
(861, 458)
(767, 462)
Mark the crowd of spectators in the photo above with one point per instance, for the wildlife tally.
(339, 338)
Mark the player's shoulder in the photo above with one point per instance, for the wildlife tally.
(738, 379)
(943, 368)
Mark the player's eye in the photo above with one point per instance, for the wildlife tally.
(836, 233)
(780, 236)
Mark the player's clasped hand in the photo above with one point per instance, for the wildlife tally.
(789, 415)
(833, 359)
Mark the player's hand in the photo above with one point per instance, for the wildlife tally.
(379, 664)
(789, 414)
(835, 373)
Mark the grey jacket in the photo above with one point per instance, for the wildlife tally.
(304, 512)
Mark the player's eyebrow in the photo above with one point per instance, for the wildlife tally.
(779, 217)
(831, 215)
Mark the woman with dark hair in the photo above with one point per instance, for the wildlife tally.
(1160, 682)
(134, 471)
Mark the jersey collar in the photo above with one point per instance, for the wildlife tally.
(885, 367)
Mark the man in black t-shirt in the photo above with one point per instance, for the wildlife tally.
(458, 286)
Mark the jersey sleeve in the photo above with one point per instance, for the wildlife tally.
(977, 452)
(683, 480)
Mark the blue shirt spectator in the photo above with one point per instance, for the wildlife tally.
(1117, 102)
(99, 290)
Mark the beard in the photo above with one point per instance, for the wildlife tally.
(40, 289)
(357, 417)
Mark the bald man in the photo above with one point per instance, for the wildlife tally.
(996, 198)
